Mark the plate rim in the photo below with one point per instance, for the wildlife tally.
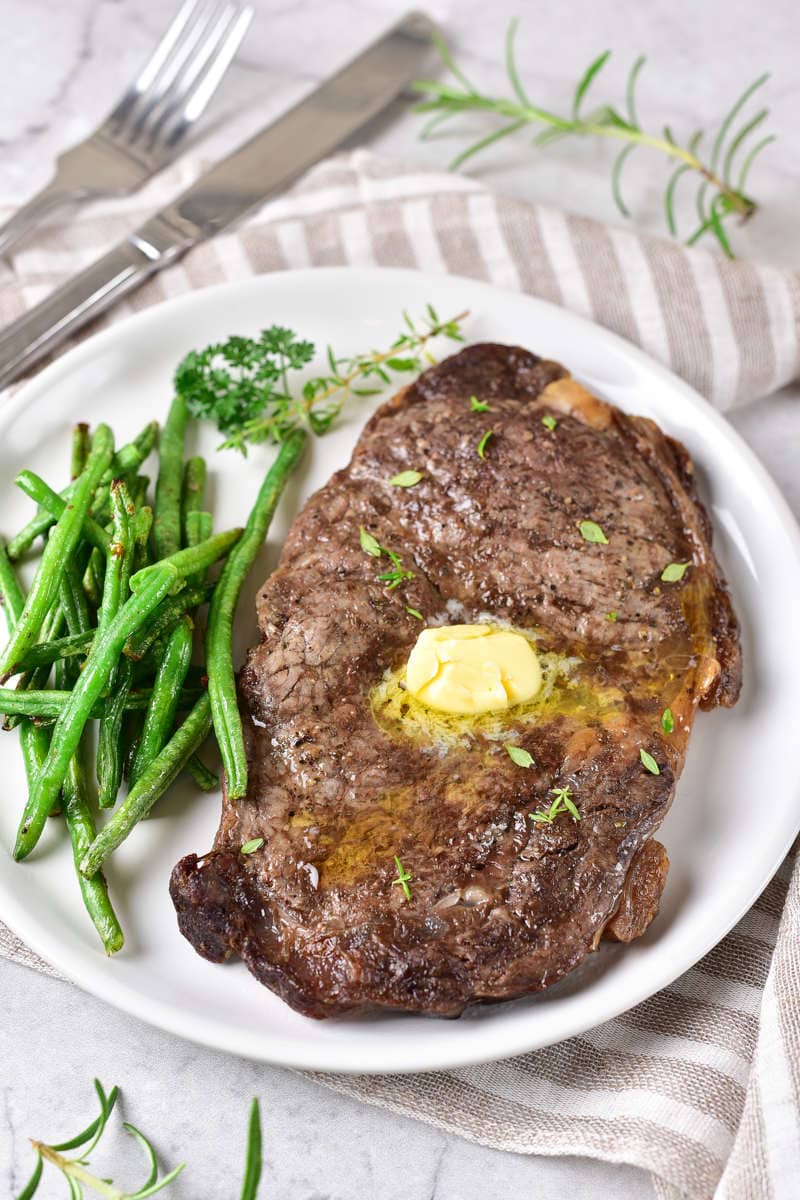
(209, 1032)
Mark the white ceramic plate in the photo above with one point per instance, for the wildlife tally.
(736, 811)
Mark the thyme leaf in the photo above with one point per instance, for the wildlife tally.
(403, 878)
(649, 763)
(562, 802)
(406, 479)
(253, 845)
(521, 757)
(477, 405)
(482, 444)
(674, 572)
(591, 532)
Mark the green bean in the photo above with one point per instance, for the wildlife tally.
(194, 486)
(81, 442)
(205, 779)
(138, 489)
(35, 487)
(57, 552)
(198, 527)
(48, 704)
(97, 670)
(110, 751)
(115, 593)
(163, 706)
(94, 578)
(165, 617)
(37, 678)
(219, 635)
(119, 554)
(80, 825)
(193, 558)
(142, 524)
(82, 833)
(167, 509)
(152, 784)
(10, 591)
(128, 458)
(45, 653)
(33, 740)
(72, 597)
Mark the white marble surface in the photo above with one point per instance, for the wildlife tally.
(62, 66)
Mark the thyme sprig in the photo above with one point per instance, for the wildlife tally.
(244, 384)
(722, 176)
(403, 878)
(562, 802)
(78, 1176)
(397, 573)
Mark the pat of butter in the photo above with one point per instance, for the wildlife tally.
(472, 669)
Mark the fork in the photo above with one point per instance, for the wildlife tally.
(145, 130)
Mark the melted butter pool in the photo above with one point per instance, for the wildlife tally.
(566, 690)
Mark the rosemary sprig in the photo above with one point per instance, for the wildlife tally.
(244, 384)
(76, 1169)
(722, 178)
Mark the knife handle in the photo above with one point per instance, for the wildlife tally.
(88, 295)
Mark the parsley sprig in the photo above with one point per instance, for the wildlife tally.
(244, 384)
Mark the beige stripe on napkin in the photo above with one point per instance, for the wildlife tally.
(700, 1085)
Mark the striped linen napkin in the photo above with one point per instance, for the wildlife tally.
(700, 1085)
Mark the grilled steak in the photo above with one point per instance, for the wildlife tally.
(346, 771)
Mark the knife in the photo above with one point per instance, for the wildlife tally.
(226, 192)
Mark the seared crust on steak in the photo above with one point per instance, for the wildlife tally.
(341, 781)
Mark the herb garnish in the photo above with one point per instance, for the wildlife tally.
(397, 573)
(481, 447)
(722, 175)
(563, 802)
(414, 612)
(402, 878)
(549, 422)
(674, 572)
(477, 405)
(649, 763)
(243, 384)
(591, 532)
(667, 720)
(519, 756)
(611, 616)
(369, 544)
(77, 1175)
(253, 845)
(406, 479)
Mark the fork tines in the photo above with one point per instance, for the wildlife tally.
(175, 85)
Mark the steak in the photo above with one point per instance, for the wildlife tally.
(347, 771)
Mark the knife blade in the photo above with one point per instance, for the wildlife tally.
(258, 169)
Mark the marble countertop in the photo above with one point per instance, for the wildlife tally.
(62, 66)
